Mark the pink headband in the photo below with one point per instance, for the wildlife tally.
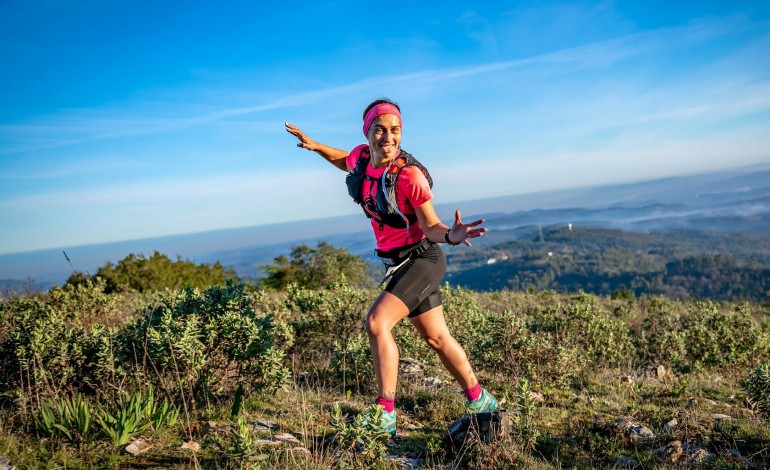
(379, 110)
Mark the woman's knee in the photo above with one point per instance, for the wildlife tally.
(436, 342)
(375, 326)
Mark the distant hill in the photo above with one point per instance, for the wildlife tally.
(679, 263)
(735, 201)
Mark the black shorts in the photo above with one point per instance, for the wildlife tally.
(417, 282)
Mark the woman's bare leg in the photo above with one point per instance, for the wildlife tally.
(386, 311)
(433, 328)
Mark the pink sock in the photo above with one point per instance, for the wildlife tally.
(473, 393)
(389, 404)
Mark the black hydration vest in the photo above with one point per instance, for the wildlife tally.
(387, 212)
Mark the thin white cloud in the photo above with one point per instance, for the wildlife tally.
(81, 126)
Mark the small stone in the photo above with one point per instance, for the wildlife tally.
(410, 426)
(660, 371)
(279, 439)
(710, 402)
(433, 382)
(139, 446)
(5, 463)
(405, 462)
(721, 417)
(634, 430)
(671, 452)
(537, 397)
(411, 367)
(264, 426)
(671, 425)
(191, 445)
(700, 455)
(625, 462)
(211, 427)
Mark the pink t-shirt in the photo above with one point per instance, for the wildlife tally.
(412, 190)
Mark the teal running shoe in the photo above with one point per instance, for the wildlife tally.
(387, 420)
(485, 402)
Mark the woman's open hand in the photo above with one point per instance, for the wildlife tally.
(305, 142)
(460, 232)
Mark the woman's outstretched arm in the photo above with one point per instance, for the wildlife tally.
(332, 155)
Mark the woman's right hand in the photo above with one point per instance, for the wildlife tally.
(305, 142)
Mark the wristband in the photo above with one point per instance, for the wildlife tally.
(446, 237)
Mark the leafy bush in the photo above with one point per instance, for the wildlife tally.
(702, 334)
(53, 343)
(156, 273)
(200, 344)
(362, 439)
(316, 268)
(319, 315)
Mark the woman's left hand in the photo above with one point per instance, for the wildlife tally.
(460, 232)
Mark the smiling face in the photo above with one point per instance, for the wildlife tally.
(384, 138)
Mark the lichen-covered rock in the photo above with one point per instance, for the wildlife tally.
(634, 430)
(671, 452)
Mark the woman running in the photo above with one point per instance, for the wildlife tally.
(395, 192)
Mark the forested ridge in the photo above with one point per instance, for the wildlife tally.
(680, 264)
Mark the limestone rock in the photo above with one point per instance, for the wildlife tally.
(660, 372)
(433, 382)
(191, 445)
(406, 463)
(486, 427)
(5, 463)
(264, 426)
(721, 417)
(671, 425)
(278, 439)
(537, 397)
(139, 446)
(671, 452)
(634, 431)
(410, 367)
(695, 454)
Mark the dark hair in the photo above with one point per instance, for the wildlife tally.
(376, 102)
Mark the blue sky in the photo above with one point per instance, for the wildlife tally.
(129, 119)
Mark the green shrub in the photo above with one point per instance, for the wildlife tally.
(757, 387)
(199, 345)
(362, 440)
(53, 343)
(702, 334)
(156, 273)
(317, 316)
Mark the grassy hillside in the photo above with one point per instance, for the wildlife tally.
(250, 379)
